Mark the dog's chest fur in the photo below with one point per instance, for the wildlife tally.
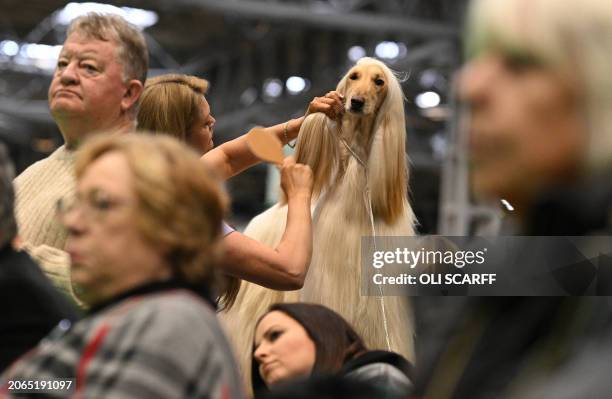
(345, 197)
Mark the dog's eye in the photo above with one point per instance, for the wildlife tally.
(379, 82)
(353, 76)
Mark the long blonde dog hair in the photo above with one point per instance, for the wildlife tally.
(363, 153)
(387, 162)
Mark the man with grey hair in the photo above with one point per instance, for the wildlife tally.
(35, 306)
(99, 77)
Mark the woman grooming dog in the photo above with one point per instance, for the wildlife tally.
(360, 189)
(175, 105)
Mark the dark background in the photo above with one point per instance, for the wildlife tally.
(239, 45)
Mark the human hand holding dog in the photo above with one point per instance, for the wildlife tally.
(332, 105)
(296, 179)
(235, 156)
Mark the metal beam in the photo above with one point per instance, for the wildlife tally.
(323, 17)
(34, 110)
(425, 52)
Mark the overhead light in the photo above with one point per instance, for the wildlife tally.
(139, 17)
(136, 16)
(297, 85)
(248, 97)
(390, 50)
(42, 56)
(439, 145)
(272, 88)
(429, 99)
(387, 50)
(403, 50)
(40, 51)
(429, 78)
(9, 47)
(355, 53)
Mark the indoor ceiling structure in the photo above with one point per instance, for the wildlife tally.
(265, 60)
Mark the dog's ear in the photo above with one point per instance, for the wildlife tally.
(387, 166)
(342, 85)
(317, 148)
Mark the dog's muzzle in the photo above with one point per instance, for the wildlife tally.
(357, 104)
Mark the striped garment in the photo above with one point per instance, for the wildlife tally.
(165, 344)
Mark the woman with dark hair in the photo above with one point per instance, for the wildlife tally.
(298, 340)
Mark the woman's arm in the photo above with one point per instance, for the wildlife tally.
(233, 157)
(283, 267)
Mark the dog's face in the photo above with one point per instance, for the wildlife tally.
(366, 88)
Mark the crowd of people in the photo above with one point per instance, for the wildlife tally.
(115, 257)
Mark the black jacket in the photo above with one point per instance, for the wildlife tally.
(31, 306)
(525, 347)
(387, 371)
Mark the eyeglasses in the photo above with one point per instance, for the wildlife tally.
(96, 203)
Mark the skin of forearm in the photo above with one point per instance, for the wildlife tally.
(281, 268)
(233, 157)
(296, 252)
(237, 157)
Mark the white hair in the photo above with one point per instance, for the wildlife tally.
(563, 35)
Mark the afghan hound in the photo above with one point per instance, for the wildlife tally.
(360, 188)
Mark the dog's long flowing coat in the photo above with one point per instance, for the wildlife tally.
(374, 128)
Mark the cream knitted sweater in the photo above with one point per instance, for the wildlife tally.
(37, 190)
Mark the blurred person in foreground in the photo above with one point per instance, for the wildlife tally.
(539, 91)
(538, 88)
(298, 341)
(100, 73)
(176, 105)
(144, 234)
(32, 307)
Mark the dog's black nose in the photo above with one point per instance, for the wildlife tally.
(357, 103)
